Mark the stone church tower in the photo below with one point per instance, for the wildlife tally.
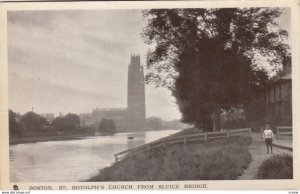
(136, 111)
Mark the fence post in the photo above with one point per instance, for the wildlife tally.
(249, 131)
(184, 140)
(116, 158)
(205, 137)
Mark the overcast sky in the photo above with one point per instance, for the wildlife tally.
(72, 61)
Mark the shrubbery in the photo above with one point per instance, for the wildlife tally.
(277, 167)
(107, 126)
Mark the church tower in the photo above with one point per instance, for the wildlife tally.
(136, 111)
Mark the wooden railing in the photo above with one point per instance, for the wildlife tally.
(284, 130)
(183, 139)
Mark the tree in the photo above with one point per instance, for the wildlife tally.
(68, 122)
(33, 122)
(154, 123)
(107, 126)
(72, 120)
(14, 126)
(208, 57)
(59, 123)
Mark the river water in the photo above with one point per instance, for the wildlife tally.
(72, 160)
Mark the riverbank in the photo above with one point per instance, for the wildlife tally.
(24, 140)
(14, 141)
(222, 159)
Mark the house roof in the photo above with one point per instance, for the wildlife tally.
(287, 75)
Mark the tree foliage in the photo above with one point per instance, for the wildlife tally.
(32, 122)
(68, 122)
(154, 123)
(72, 120)
(14, 126)
(207, 56)
(59, 123)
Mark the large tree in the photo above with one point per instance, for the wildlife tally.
(209, 57)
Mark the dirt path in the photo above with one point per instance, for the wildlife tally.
(258, 152)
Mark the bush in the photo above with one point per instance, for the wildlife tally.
(223, 159)
(276, 167)
(107, 126)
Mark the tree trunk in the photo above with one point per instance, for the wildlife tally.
(216, 120)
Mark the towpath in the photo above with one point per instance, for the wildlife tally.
(258, 152)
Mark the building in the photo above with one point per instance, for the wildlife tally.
(278, 98)
(118, 115)
(86, 119)
(136, 110)
(133, 117)
(273, 105)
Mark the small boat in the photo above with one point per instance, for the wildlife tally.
(130, 137)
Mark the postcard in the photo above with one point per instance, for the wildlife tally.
(155, 95)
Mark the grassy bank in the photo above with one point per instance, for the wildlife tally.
(223, 159)
(276, 167)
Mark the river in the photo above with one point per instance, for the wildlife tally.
(72, 160)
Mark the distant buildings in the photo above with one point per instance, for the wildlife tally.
(118, 115)
(86, 119)
(155, 123)
(131, 118)
(275, 103)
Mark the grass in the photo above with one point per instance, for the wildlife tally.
(276, 167)
(223, 159)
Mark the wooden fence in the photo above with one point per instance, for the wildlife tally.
(183, 139)
(284, 131)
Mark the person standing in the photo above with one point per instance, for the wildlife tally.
(268, 137)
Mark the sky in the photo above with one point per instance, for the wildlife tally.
(77, 60)
(74, 61)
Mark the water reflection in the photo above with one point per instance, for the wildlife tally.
(72, 160)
